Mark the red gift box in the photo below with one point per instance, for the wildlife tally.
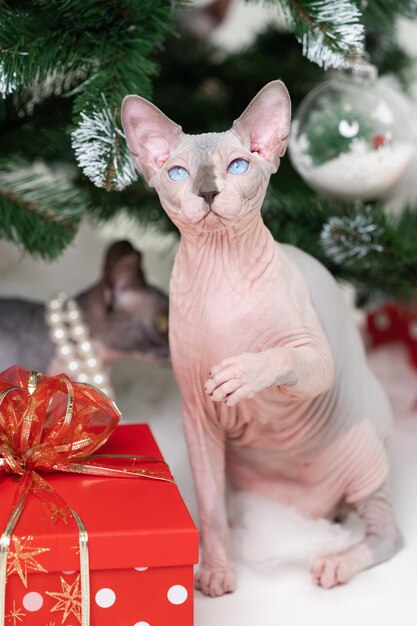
(142, 542)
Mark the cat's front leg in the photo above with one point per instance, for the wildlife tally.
(304, 371)
(206, 447)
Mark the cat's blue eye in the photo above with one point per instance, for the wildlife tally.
(178, 173)
(238, 166)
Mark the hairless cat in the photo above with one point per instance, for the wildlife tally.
(276, 389)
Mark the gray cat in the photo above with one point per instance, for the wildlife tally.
(126, 317)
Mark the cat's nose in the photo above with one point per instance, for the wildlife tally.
(208, 195)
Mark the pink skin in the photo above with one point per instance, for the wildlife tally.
(275, 385)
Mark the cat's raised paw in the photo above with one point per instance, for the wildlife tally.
(240, 377)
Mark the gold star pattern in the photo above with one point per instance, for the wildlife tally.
(15, 614)
(22, 559)
(51, 624)
(68, 600)
(57, 513)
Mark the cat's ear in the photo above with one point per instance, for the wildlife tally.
(151, 135)
(264, 126)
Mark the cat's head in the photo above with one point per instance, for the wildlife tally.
(211, 181)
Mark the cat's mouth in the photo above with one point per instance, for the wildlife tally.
(212, 220)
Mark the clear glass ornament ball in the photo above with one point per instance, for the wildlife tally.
(352, 137)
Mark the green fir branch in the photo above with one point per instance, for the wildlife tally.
(98, 140)
(35, 46)
(331, 33)
(40, 211)
(374, 251)
(381, 14)
(348, 239)
(101, 149)
(95, 52)
(138, 201)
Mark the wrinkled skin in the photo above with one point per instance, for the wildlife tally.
(126, 317)
(276, 389)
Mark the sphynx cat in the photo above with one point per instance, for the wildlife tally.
(276, 389)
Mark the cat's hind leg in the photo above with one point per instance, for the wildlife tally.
(382, 540)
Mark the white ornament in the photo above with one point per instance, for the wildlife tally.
(65, 350)
(58, 333)
(54, 304)
(71, 337)
(55, 318)
(351, 137)
(363, 176)
(74, 314)
(80, 330)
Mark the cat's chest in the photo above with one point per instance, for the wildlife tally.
(218, 314)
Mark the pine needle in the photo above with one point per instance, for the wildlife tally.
(330, 32)
(7, 83)
(101, 150)
(40, 211)
(347, 239)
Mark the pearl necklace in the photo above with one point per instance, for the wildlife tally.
(73, 344)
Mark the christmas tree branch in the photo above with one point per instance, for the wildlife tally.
(137, 201)
(99, 51)
(98, 140)
(101, 149)
(370, 249)
(381, 14)
(36, 49)
(331, 33)
(40, 211)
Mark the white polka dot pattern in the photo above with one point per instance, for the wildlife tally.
(141, 569)
(32, 601)
(177, 594)
(105, 598)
